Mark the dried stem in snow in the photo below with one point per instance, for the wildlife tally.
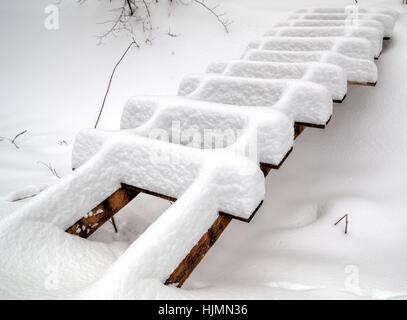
(50, 168)
(133, 43)
(224, 22)
(13, 140)
(346, 220)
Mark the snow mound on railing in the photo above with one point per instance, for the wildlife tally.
(265, 132)
(348, 46)
(371, 34)
(332, 23)
(302, 101)
(330, 76)
(352, 9)
(358, 70)
(386, 20)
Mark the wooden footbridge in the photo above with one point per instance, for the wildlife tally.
(106, 210)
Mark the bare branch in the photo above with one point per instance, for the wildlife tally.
(346, 221)
(114, 224)
(17, 135)
(120, 20)
(13, 140)
(133, 43)
(225, 23)
(133, 12)
(50, 168)
(147, 9)
(131, 9)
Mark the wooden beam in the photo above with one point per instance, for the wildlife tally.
(85, 226)
(151, 193)
(298, 129)
(368, 84)
(340, 101)
(185, 268)
(272, 166)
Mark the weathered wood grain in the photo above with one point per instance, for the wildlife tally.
(85, 226)
(185, 268)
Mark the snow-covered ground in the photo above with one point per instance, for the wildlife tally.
(53, 83)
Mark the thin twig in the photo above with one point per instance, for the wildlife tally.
(172, 34)
(13, 140)
(225, 23)
(24, 198)
(50, 168)
(147, 9)
(131, 9)
(114, 224)
(346, 221)
(111, 78)
(116, 23)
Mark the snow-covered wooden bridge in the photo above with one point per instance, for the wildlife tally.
(209, 149)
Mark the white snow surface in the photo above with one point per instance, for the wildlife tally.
(332, 23)
(371, 34)
(348, 46)
(386, 20)
(352, 9)
(265, 135)
(358, 70)
(301, 101)
(27, 192)
(330, 76)
(290, 249)
(202, 187)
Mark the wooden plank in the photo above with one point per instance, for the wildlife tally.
(84, 227)
(272, 166)
(151, 193)
(185, 268)
(340, 101)
(298, 129)
(242, 219)
(312, 125)
(368, 84)
(159, 195)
